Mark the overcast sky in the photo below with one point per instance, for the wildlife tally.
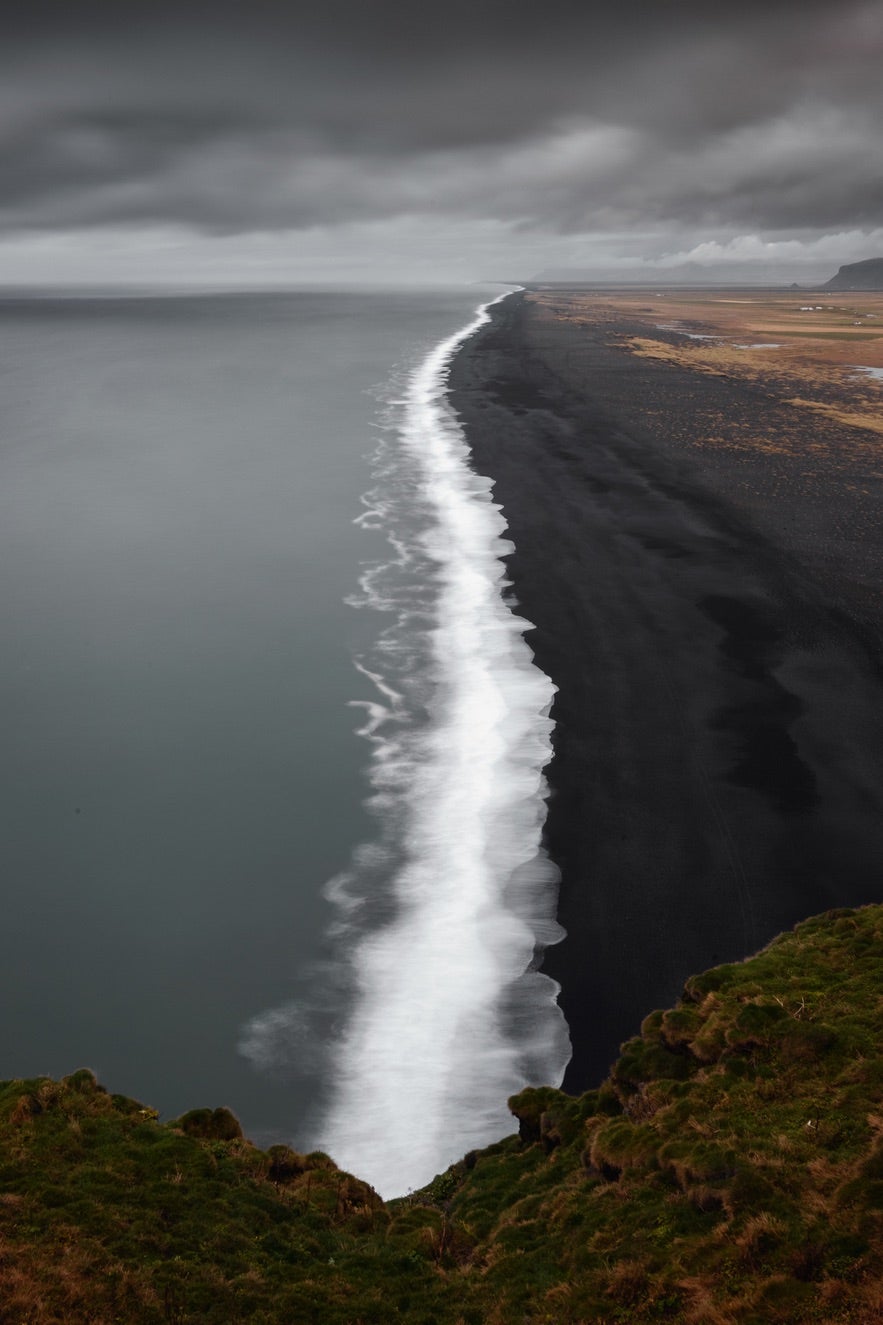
(256, 143)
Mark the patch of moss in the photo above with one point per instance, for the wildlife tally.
(729, 1171)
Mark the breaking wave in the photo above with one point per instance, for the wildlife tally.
(439, 923)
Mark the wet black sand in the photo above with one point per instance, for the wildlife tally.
(718, 765)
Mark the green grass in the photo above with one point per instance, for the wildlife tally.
(730, 1170)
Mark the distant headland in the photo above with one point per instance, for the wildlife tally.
(867, 275)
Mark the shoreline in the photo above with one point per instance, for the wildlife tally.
(420, 1078)
(716, 774)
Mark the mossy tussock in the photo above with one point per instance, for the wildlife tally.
(729, 1170)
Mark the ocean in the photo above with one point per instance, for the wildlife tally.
(273, 741)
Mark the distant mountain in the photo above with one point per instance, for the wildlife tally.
(866, 275)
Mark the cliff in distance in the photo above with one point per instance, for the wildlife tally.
(730, 1170)
(866, 275)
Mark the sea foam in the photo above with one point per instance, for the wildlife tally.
(444, 918)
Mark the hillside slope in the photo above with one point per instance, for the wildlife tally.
(867, 275)
(729, 1170)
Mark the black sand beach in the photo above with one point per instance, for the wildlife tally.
(718, 766)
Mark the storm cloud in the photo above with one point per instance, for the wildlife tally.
(669, 125)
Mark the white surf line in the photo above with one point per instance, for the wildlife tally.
(449, 1020)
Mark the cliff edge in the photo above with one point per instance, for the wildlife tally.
(867, 275)
(728, 1172)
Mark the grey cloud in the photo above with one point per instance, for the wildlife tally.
(271, 116)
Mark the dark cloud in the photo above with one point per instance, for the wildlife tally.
(565, 117)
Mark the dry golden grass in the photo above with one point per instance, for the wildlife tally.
(816, 343)
(836, 327)
(805, 402)
(871, 420)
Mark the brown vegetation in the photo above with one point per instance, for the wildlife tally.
(730, 1172)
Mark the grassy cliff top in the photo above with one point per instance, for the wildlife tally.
(729, 1170)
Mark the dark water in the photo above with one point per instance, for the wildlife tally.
(180, 772)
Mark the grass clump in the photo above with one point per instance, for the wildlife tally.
(729, 1172)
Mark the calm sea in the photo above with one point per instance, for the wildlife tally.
(182, 773)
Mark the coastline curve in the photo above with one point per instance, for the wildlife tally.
(450, 1014)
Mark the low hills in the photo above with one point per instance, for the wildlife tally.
(729, 1170)
(866, 275)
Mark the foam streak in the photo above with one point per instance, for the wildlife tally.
(449, 1017)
